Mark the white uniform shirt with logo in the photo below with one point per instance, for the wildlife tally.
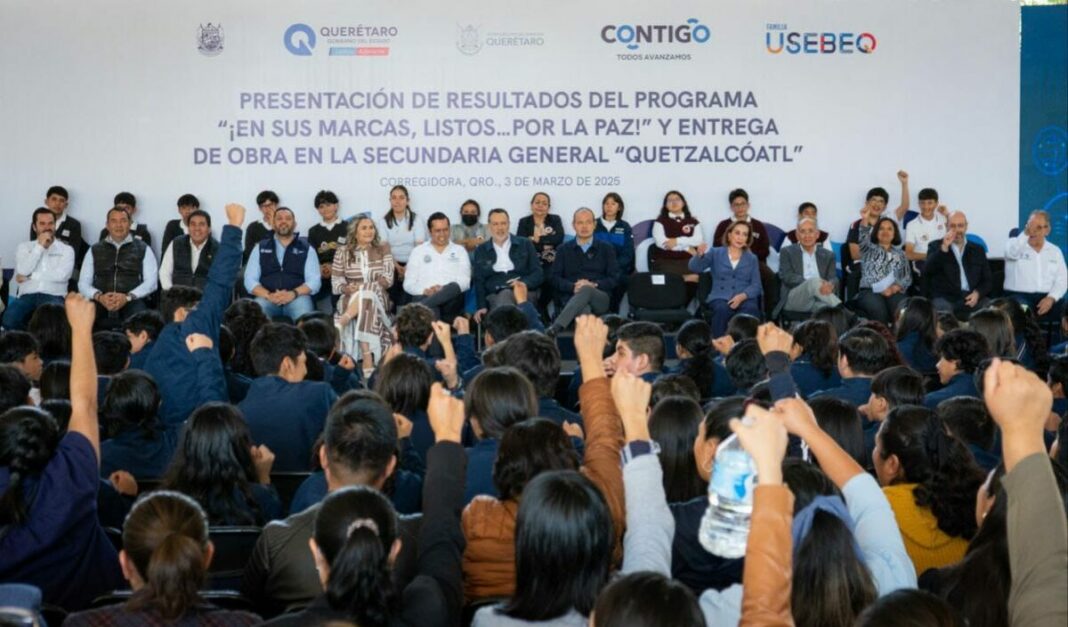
(1035, 272)
(920, 233)
(49, 269)
(427, 267)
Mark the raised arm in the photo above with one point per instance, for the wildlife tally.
(903, 207)
(83, 416)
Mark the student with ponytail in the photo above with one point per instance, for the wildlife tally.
(356, 542)
(165, 557)
(49, 532)
(930, 479)
(697, 360)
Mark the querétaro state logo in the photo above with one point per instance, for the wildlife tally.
(468, 40)
(210, 39)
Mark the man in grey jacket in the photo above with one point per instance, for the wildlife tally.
(806, 272)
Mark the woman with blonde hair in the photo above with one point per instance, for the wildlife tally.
(362, 274)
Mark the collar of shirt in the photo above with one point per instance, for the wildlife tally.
(329, 225)
(60, 220)
(185, 227)
(126, 240)
(608, 224)
(585, 247)
(194, 246)
(503, 247)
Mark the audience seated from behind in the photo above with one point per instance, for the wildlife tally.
(497, 399)
(862, 353)
(136, 440)
(959, 354)
(814, 355)
(697, 360)
(142, 329)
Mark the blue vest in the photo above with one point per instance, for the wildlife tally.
(289, 275)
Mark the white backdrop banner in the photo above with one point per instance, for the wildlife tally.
(793, 100)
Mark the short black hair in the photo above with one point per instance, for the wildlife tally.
(899, 385)
(414, 325)
(968, 419)
(360, 435)
(177, 297)
(272, 344)
(866, 351)
(928, 193)
(16, 346)
(805, 205)
(499, 398)
(14, 387)
(404, 382)
(536, 356)
(188, 200)
(41, 211)
(200, 213)
(743, 327)
(125, 198)
(503, 322)
(112, 352)
(527, 449)
(737, 193)
(437, 215)
(313, 367)
(472, 201)
(58, 190)
(644, 338)
(877, 192)
(314, 315)
(131, 403)
(673, 385)
(322, 337)
(745, 365)
(266, 196)
(1058, 371)
(325, 197)
(149, 321)
(966, 347)
(497, 210)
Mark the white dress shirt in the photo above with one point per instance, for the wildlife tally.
(427, 267)
(1035, 272)
(504, 258)
(149, 274)
(48, 269)
(166, 267)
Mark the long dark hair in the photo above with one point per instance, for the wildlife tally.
(355, 529)
(673, 425)
(498, 398)
(132, 403)
(212, 461)
(918, 316)
(841, 420)
(685, 205)
(996, 326)
(819, 343)
(1024, 323)
(893, 357)
(696, 337)
(49, 325)
(166, 537)
(563, 547)
(941, 465)
(244, 318)
(55, 380)
(404, 382)
(391, 221)
(28, 440)
(528, 449)
(831, 584)
(978, 585)
(647, 599)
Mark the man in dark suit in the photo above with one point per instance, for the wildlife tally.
(957, 272)
(500, 262)
(807, 277)
(584, 273)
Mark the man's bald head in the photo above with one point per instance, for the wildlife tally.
(958, 224)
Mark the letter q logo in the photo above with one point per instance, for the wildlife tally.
(299, 40)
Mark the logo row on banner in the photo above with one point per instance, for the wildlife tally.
(304, 40)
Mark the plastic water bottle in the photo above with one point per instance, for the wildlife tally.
(725, 526)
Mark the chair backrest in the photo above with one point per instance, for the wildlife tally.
(287, 483)
(1014, 231)
(641, 255)
(642, 231)
(775, 235)
(972, 237)
(233, 547)
(150, 484)
(909, 217)
(647, 290)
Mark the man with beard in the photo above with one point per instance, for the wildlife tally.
(281, 274)
(43, 267)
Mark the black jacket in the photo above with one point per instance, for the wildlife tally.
(598, 264)
(942, 272)
(488, 281)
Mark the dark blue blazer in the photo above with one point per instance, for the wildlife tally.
(728, 281)
(962, 384)
(621, 237)
(854, 390)
(176, 371)
(407, 492)
(690, 562)
(140, 358)
(480, 458)
(809, 379)
(487, 281)
(598, 264)
(916, 353)
(144, 458)
(287, 417)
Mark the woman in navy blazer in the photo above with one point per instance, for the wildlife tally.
(735, 276)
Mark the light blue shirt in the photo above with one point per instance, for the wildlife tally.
(809, 267)
(585, 247)
(958, 252)
(312, 278)
(149, 275)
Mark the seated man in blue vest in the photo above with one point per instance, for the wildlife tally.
(282, 410)
(282, 273)
(188, 258)
(584, 273)
(118, 273)
(500, 263)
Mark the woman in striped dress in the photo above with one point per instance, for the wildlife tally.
(362, 274)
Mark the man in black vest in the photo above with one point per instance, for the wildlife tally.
(118, 273)
(283, 270)
(188, 258)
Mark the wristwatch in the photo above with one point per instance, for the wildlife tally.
(637, 448)
(130, 297)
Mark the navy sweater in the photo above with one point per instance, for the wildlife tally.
(287, 417)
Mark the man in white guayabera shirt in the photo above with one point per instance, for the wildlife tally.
(43, 267)
(1035, 273)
